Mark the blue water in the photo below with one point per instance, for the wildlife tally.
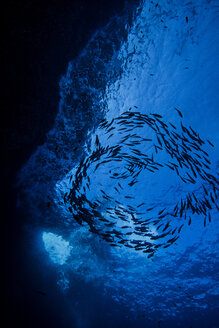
(164, 58)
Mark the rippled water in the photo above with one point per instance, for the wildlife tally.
(166, 58)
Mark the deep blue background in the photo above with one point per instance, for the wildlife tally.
(39, 38)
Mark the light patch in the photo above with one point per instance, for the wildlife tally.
(59, 249)
(63, 282)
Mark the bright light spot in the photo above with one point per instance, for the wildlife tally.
(59, 249)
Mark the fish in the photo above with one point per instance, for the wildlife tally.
(179, 112)
(190, 220)
(141, 205)
(97, 142)
(210, 143)
(161, 211)
(120, 185)
(173, 126)
(205, 189)
(149, 250)
(116, 189)
(166, 226)
(212, 198)
(180, 228)
(150, 255)
(168, 245)
(126, 163)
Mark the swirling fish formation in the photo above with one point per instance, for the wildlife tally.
(112, 189)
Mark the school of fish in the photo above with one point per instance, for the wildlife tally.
(126, 155)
